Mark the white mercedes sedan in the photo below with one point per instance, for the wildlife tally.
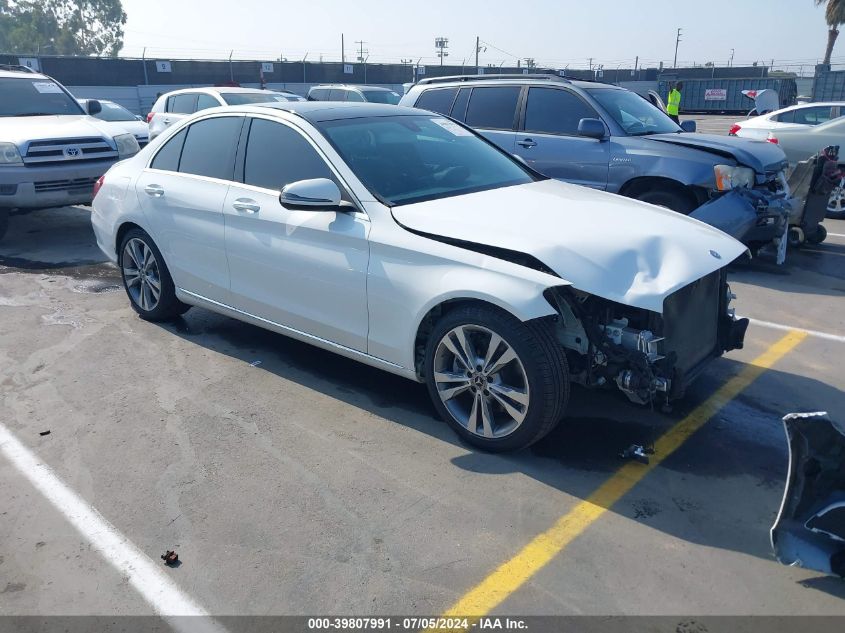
(404, 240)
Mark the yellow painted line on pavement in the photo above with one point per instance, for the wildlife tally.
(514, 573)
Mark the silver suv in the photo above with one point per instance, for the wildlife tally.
(602, 136)
(51, 151)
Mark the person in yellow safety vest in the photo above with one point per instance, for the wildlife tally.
(674, 104)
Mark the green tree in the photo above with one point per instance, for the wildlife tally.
(834, 15)
(61, 27)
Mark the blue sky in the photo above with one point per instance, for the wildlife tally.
(555, 33)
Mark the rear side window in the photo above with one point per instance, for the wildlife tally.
(813, 116)
(439, 100)
(182, 104)
(786, 117)
(277, 155)
(209, 148)
(168, 156)
(318, 94)
(555, 111)
(493, 108)
(204, 102)
(351, 95)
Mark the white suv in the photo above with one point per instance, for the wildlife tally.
(51, 151)
(175, 106)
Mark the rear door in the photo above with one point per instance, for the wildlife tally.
(303, 269)
(177, 107)
(549, 141)
(492, 111)
(182, 194)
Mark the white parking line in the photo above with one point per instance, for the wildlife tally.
(145, 576)
(836, 234)
(789, 328)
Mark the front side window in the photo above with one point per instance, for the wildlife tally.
(277, 155)
(632, 113)
(182, 104)
(113, 112)
(381, 96)
(555, 111)
(438, 100)
(493, 108)
(813, 116)
(354, 96)
(167, 157)
(204, 102)
(35, 97)
(407, 159)
(337, 94)
(210, 148)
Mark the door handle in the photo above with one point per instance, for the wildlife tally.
(156, 191)
(246, 205)
(526, 143)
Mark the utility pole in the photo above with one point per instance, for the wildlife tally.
(361, 51)
(231, 72)
(731, 62)
(529, 63)
(342, 50)
(441, 44)
(677, 41)
(477, 48)
(591, 63)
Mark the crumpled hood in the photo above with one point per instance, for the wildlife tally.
(761, 156)
(20, 130)
(613, 247)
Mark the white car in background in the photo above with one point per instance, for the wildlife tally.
(175, 106)
(801, 142)
(406, 241)
(804, 115)
(118, 119)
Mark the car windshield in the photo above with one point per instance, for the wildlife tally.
(637, 116)
(245, 98)
(114, 112)
(407, 159)
(35, 97)
(381, 96)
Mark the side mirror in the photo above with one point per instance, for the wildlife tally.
(591, 128)
(94, 107)
(316, 194)
(688, 126)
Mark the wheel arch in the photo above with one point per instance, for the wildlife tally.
(121, 232)
(641, 184)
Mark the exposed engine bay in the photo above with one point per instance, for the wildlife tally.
(650, 357)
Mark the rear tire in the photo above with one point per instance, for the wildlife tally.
(147, 281)
(499, 383)
(678, 201)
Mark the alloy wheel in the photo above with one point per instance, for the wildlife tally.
(481, 381)
(836, 202)
(141, 274)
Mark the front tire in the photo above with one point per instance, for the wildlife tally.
(500, 384)
(146, 279)
(677, 201)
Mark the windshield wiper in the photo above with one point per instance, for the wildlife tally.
(648, 133)
(34, 114)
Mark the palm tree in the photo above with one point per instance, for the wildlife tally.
(834, 15)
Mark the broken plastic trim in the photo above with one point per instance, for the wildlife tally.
(514, 257)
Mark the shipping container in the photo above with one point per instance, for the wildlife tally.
(829, 86)
(725, 95)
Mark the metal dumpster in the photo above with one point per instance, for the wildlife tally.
(725, 95)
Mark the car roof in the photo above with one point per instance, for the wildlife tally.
(317, 111)
(219, 90)
(352, 87)
(22, 74)
(510, 79)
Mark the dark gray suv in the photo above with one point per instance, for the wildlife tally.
(603, 136)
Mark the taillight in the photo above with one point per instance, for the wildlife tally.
(771, 138)
(150, 116)
(734, 129)
(98, 185)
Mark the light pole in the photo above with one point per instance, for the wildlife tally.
(441, 44)
(731, 62)
(677, 41)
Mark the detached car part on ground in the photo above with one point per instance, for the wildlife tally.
(610, 138)
(810, 527)
(51, 151)
(402, 239)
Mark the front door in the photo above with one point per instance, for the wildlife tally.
(302, 269)
(549, 141)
